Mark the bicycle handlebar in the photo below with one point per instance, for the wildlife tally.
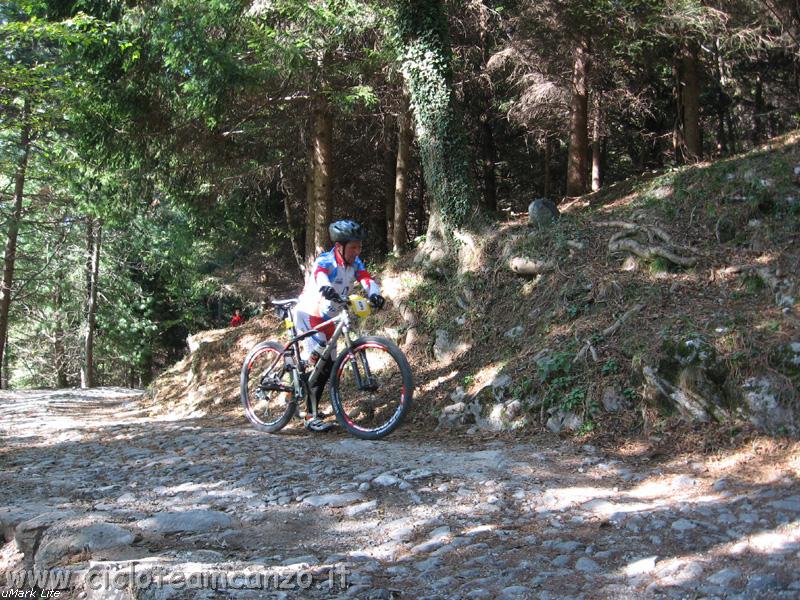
(345, 301)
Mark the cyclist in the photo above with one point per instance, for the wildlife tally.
(329, 281)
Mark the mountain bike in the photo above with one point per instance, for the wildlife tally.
(371, 385)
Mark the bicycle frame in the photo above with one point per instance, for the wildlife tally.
(302, 385)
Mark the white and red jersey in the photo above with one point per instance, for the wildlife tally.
(329, 269)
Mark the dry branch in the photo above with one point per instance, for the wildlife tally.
(622, 224)
(607, 332)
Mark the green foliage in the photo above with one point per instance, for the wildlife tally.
(660, 265)
(423, 44)
(358, 95)
(610, 367)
(554, 366)
(523, 389)
(574, 310)
(573, 399)
(753, 283)
(630, 394)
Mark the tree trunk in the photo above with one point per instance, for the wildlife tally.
(422, 204)
(389, 174)
(687, 138)
(722, 103)
(5, 378)
(323, 155)
(546, 160)
(59, 351)
(732, 138)
(578, 156)
(93, 236)
(758, 114)
(488, 158)
(311, 212)
(294, 233)
(691, 106)
(722, 138)
(405, 136)
(678, 141)
(10, 256)
(642, 158)
(596, 145)
(425, 59)
(387, 241)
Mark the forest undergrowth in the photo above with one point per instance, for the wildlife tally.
(707, 251)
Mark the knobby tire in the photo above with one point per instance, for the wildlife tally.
(378, 406)
(254, 365)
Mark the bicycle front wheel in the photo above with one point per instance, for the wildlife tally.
(371, 387)
(266, 405)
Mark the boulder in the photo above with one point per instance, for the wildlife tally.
(445, 350)
(765, 400)
(12, 516)
(562, 420)
(334, 500)
(487, 409)
(503, 416)
(59, 543)
(612, 400)
(515, 332)
(689, 377)
(28, 534)
(191, 521)
(500, 385)
(542, 212)
(454, 414)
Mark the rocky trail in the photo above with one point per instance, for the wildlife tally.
(128, 506)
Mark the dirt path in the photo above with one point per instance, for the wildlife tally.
(131, 507)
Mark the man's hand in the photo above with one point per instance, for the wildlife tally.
(377, 300)
(329, 293)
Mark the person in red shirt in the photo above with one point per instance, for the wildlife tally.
(237, 318)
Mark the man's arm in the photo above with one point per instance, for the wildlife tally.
(322, 270)
(365, 279)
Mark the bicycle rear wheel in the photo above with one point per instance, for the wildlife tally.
(371, 387)
(266, 406)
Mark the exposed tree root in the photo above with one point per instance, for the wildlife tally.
(764, 272)
(528, 266)
(411, 323)
(651, 252)
(607, 332)
(784, 289)
(622, 242)
(687, 402)
(462, 247)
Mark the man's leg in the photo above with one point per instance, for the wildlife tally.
(324, 375)
(311, 345)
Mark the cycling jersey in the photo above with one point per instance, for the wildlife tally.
(312, 309)
(329, 269)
